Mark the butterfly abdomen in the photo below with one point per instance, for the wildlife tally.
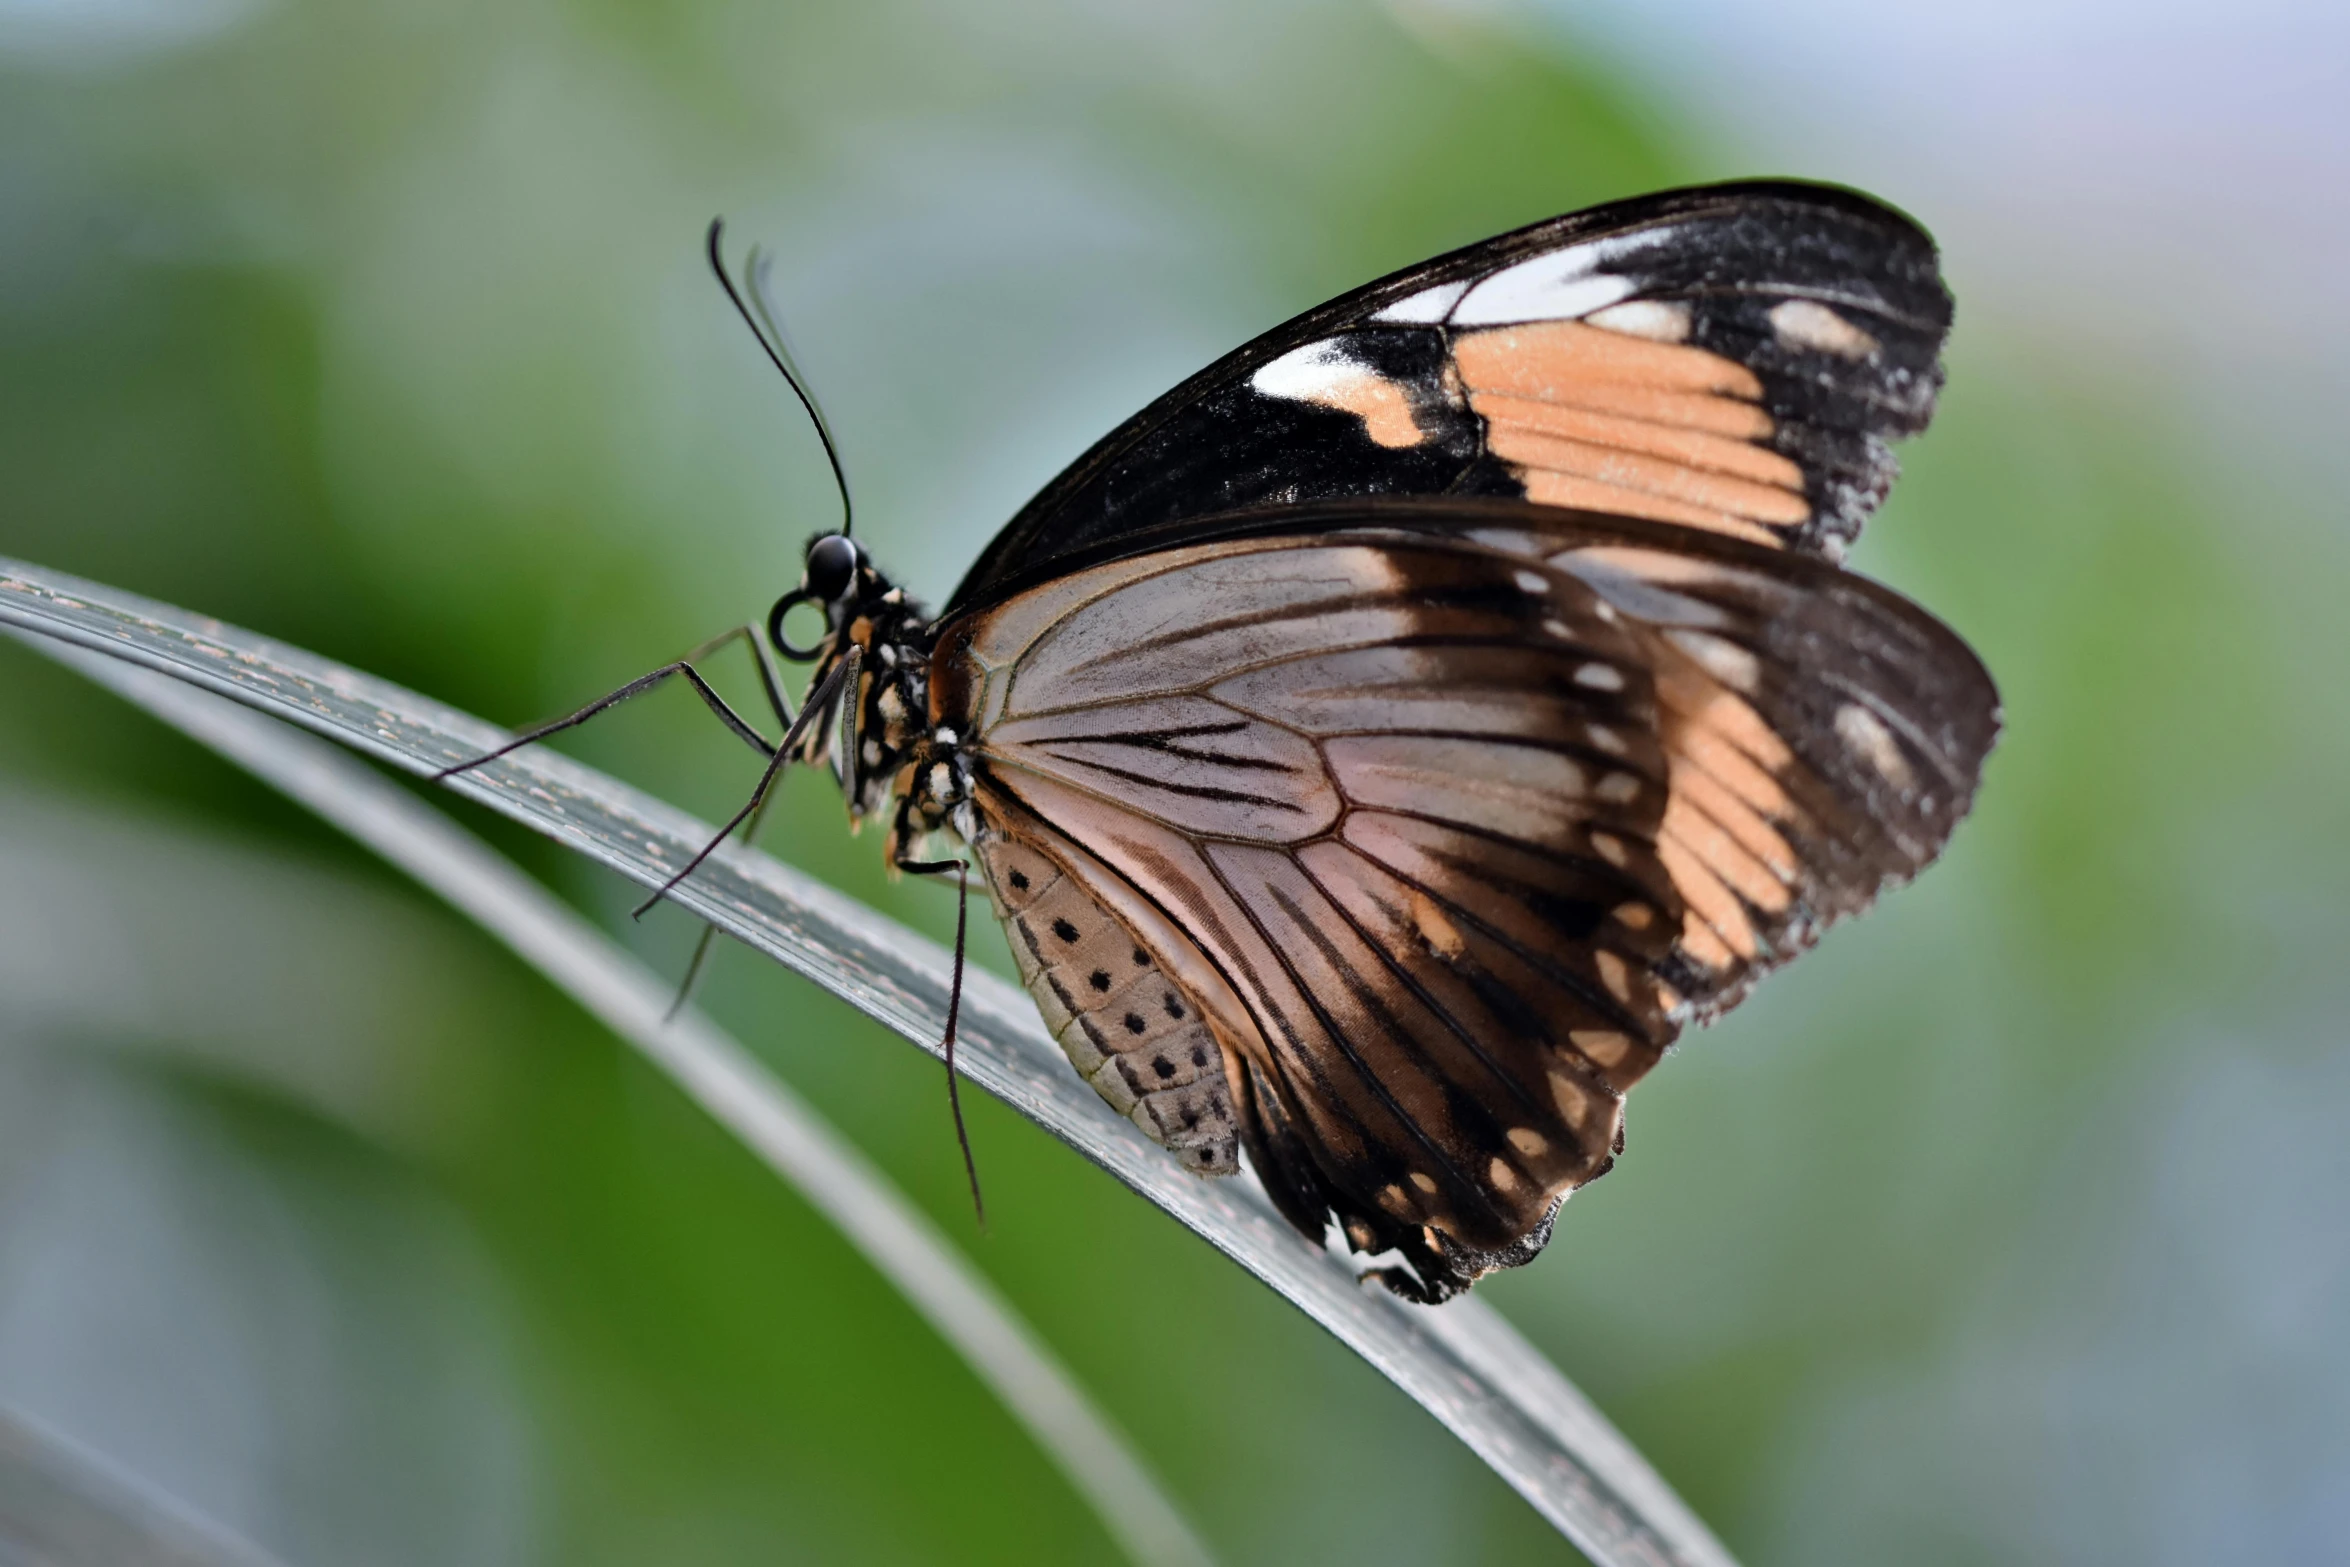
(1126, 1027)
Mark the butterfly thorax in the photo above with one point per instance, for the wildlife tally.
(887, 743)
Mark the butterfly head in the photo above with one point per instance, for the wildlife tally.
(880, 725)
(837, 577)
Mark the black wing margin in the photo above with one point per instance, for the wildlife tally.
(1731, 357)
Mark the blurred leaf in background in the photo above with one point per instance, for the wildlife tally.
(2011, 1223)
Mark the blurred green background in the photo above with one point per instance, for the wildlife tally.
(2013, 1224)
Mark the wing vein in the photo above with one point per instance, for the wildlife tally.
(1170, 786)
(1427, 998)
(1368, 998)
(1566, 979)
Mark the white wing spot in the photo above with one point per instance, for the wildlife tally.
(1504, 1178)
(1865, 735)
(1725, 660)
(1528, 1141)
(1605, 739)
(1600, 677)
(1429, 305)
(1658, 320)
(1310, 374)
(1559, 629)
(1423, 1182)
(1563, 285)
(1801, 323)
(1533, 582)
(1618, 789)
(1610, 848)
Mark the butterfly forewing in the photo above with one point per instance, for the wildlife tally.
(1733, 358)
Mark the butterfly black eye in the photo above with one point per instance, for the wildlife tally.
(832, 566)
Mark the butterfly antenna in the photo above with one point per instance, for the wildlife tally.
(768, 330)
(954, 1012)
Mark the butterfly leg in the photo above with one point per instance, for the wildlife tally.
(643, 683)
(962, 870)
(762, 660)
(771, 683)
(819, 702)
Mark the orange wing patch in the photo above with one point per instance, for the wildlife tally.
(1607, 421)
(1720, 839)
(1323, 373)
(1381, 404)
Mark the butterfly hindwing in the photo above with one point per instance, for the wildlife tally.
(1343, 774)
(1413, 785)
(1733, 357)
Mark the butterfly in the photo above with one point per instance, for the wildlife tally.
(1381, 747)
